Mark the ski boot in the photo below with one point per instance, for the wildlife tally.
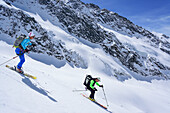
(92, 99)
(18, 70)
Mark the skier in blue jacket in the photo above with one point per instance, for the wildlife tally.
(22, 49)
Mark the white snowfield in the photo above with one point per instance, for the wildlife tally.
(52, 91)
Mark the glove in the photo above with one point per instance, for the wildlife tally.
(95, 89)
(33, 44)
(20, 54)
(101, 86)
(26, 51)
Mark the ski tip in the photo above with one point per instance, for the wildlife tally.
(34, 77)
(7, 65)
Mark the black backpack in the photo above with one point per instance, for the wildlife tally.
(87, 80)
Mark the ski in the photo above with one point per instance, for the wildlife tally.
(25, 74)
(94, 101)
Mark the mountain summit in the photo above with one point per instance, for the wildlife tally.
(140, 53)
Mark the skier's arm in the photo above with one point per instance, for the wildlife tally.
(99, 84)
(91, 84)
(25, 43)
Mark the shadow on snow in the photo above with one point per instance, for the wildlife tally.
(42, 91)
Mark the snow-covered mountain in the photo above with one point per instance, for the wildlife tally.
(135, 49)
(74, 39)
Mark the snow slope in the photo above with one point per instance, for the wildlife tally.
(52, 91)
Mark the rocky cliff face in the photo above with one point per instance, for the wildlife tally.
(83, 21)
(15, 22)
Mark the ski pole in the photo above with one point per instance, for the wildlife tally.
(105, 97)
(9, 60)
(78, 90)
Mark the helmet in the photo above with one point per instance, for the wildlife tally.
(98, 78)
(31, 34)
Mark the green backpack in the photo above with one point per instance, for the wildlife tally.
(19, 40)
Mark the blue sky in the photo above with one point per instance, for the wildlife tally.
(153, 15)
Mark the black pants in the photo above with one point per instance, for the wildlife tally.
(92, 93)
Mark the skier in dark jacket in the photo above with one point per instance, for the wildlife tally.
(91, 87)
(22, 49)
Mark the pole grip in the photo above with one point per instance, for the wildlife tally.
(15, 57)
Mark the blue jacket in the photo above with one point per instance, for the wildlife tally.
(25, 43)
